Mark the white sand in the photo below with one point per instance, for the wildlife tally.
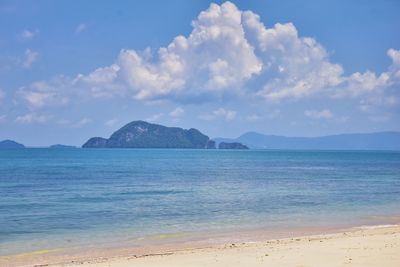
(369, 246)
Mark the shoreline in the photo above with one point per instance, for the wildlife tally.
(201, 250)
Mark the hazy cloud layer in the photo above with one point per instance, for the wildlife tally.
(319, 114)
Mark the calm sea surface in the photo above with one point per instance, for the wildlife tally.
(71, 197)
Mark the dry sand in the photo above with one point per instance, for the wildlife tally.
(377, 246)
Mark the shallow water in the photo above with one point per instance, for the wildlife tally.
(77, 197)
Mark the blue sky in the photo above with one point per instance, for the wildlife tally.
(71, 71)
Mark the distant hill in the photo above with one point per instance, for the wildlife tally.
(359, 141)
(10, 144)
(141, 134)
(58, 146)
(234, 145)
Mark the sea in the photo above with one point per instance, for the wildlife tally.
(80, 197)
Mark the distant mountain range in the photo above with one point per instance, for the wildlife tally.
(141, 134)
(360, 141)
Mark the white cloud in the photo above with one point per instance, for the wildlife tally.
(28, 34)
(80, 28)
(296, 67)
(3, 118)
(177, 112)
(155, 117)
(32, 118)
(30, 57)
(214, 58)
(41, 93)
(103, 82)
(111, 123)
(319, 114)
(228, 53)
(221, 113)
(372, 103)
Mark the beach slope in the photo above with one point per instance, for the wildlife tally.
(368, 246)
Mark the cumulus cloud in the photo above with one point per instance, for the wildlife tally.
(319, 114)
(229, 52)
(30, 57)
(215, 57)
(221, 113)
(103, 82)
(296, 67)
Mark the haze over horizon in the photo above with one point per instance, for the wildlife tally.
(277, 67)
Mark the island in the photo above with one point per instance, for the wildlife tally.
(60, 146)
(234, 145)
(141, 134)
(10, 144)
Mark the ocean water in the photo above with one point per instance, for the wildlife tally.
(76, 197)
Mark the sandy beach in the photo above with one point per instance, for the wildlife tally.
(363, 246)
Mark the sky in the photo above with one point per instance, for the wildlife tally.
(73, 70)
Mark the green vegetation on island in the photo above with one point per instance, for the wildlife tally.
(141, 134)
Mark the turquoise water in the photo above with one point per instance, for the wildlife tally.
(71, 197)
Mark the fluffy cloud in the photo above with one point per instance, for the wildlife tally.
(215, 57)
(229, 52)
(103, 82)
(30, 58)
(295, 67)
(319, 114)
(298, 67)
(221, 113)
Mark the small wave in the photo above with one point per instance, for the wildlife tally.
(153, 192)
(160, 237)
(368, 227)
